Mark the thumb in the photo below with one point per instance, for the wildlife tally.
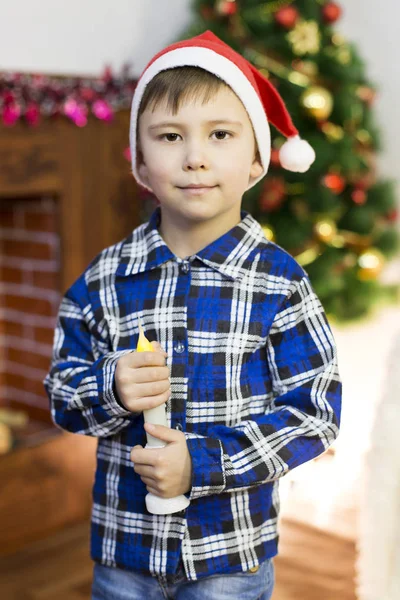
(158, 348)
(166, 434)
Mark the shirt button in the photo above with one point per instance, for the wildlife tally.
(179, 427)
(179, 347)
(185, 267)
(254, 569)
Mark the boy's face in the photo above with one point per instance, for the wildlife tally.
(192, 150)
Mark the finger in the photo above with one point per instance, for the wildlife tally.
(153, 388)
(153, 490)
(166, 434)
(149, 481)
(145, 471)
(146, 456)
(143, 359)
(149, 374)
(158, 348)
(148, 402)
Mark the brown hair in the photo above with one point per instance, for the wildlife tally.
(177, 85)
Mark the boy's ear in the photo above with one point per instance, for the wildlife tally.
(142, 169)
(256, 168)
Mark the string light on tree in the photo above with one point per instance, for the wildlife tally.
(325, 230)
(317, 102)
(371, 263)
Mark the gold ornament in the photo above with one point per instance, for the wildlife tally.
(364, 137)
(269, 233)
(371, 263)
(338, 40)
(318, 102)
(325, 230)
(343, 55)
(305, 38)
(333, 132)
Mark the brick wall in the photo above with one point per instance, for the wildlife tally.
(29, 299)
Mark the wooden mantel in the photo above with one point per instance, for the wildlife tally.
(85, 168)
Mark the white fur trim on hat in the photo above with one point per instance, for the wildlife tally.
(226, 70)
(296, 155)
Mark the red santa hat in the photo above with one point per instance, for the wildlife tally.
(259, 97)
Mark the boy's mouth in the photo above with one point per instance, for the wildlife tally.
(197, 190)
(196, 186)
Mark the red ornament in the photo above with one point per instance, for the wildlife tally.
(287, 16)
(392, 215)
(275, 162)
(334, 182)
(359, 196)
(273, 194)
(227, 8)
(331, 12)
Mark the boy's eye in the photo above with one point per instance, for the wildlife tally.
(165, 135)
(224, 133)
(172, 137)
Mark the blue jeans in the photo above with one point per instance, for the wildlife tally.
(110, 583)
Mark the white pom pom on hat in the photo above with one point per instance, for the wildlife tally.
(260, 98)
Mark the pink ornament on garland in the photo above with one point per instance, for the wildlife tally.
(76, 112)
(11, 114)
(32, 114)
(102, 110)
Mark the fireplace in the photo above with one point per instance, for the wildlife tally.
(65, 194)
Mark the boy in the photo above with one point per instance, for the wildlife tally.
(245, 363)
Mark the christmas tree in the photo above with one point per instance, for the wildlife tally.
(339, 219)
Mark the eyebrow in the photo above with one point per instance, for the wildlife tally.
(213, 122)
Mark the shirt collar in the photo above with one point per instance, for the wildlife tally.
(144, 249)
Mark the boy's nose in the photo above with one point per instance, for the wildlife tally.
(195, 158)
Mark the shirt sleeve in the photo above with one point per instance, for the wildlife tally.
(81, 381)
(301, 422)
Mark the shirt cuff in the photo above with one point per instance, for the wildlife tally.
(107, 389)
(208, 476)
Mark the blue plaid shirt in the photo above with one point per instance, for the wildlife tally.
(255, 388)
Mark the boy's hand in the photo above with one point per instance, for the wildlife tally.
(142, 379)
(166, 472)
